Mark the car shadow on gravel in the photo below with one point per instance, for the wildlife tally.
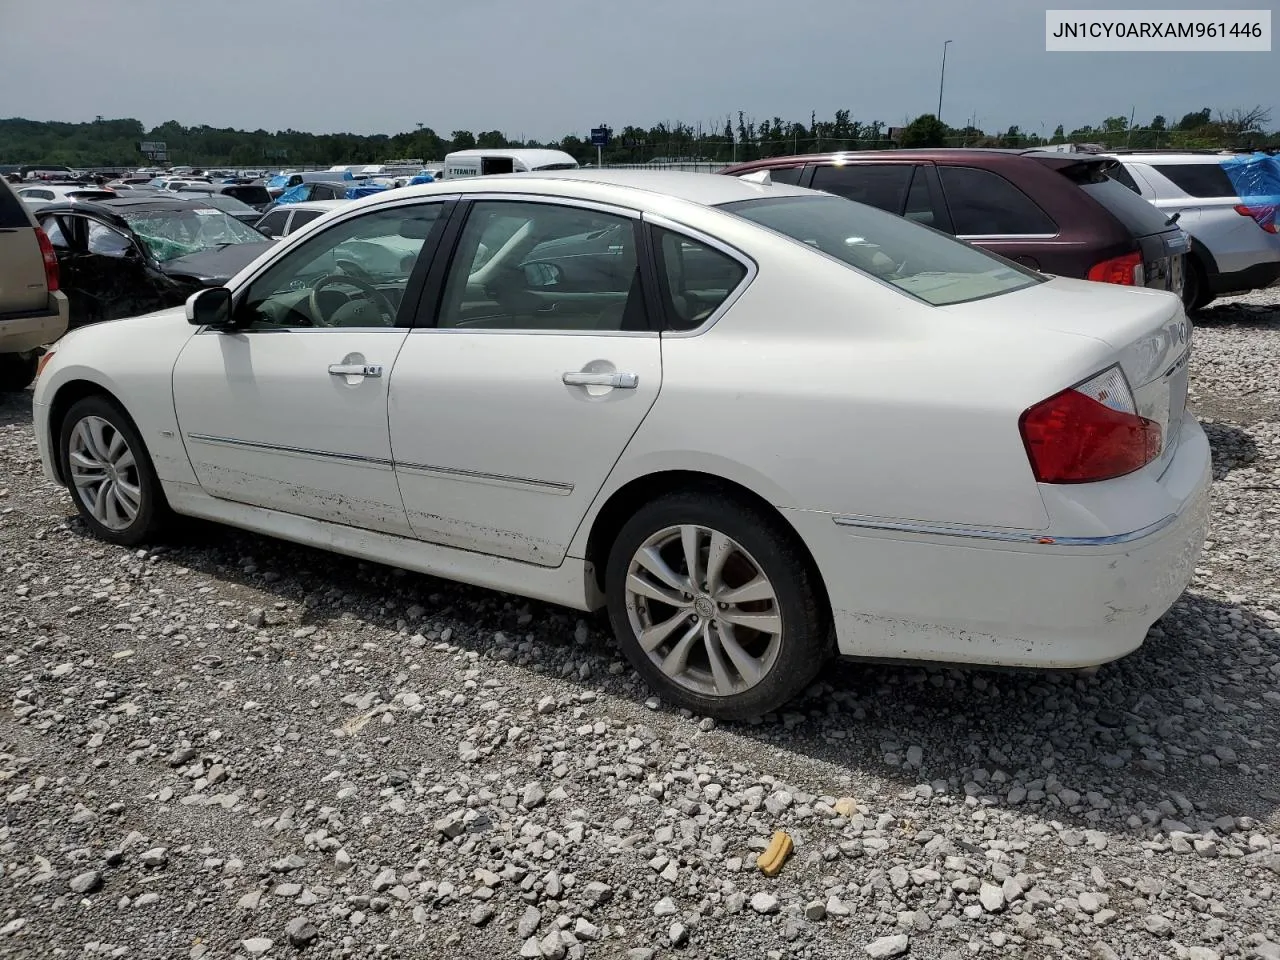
(1232, 447)
(1184, 716)
(1265, 316)
(15, 408)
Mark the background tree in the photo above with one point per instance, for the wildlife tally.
(925, 130)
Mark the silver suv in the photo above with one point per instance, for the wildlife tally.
(1234, 247)
(33, 312)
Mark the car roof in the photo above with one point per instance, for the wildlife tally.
(980, 156)
(1173, 158)
(310, 205)
(700, 188)
(115, 209)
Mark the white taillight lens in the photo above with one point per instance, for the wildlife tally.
(1110, 389)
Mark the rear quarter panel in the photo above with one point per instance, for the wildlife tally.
(840, 395)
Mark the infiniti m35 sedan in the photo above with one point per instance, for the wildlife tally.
(760, 425)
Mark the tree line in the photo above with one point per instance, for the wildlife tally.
(107, 143)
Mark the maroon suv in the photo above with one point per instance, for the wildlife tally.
(1056, 212)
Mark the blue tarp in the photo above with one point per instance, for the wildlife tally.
(1256, 179)
(278, 181)
(364, 190)
(422, 178)
(294, 194)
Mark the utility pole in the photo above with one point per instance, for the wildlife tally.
(942, 79)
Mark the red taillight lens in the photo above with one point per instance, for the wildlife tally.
(1089, 433)
(1127, 270)
(1263, 216)
(50, 260)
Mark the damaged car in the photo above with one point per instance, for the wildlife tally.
(120, 258)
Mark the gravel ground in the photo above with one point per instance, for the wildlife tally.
(234, 747)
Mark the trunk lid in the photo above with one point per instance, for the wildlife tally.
(1148, 330)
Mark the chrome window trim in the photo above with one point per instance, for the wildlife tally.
(294, 451)
(1007, 236)
(523, 332)
(555, 201)
(657, 220)
(261, 330)
(284, 246)
(553, 487)
(551, 199)
(1004, 536)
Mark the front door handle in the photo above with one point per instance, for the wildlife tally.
(355, 369)
(623, 381)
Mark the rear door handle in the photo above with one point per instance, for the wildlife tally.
(623, 381)
(355, 369)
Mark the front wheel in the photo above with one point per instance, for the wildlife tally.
(107, 468)
(716, 605)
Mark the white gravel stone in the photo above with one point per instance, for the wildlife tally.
(894, 946)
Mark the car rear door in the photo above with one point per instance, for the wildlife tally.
(521, 386)
(991, 212)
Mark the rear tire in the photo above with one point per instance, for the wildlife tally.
(1195, 287)
(17, 370)
(745, 634)
(108, 471)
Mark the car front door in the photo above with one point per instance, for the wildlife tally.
(288, 410)
(525, 380)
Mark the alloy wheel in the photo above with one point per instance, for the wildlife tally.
(104, 472)
(703, 610)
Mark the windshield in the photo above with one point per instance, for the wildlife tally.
(279, 181)
(920, 261)
(169, 234)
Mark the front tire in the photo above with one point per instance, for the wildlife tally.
(109, 473)
(716, 605)
(17, 370)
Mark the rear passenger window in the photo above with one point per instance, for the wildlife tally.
(303, 217)
(1198, 179)
(983, 203)
(695, 279)
(273, 223)
(53, 229)
(789, 175)
(920, 200)
(882, 185)
(1120, 174)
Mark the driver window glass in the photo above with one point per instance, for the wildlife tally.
(353, 274)
(541, 266)
(695, 279)
(107, 242)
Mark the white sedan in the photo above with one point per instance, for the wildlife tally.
(761, 425)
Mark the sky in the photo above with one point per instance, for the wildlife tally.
(542, 69)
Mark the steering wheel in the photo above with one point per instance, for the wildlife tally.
(371, 293)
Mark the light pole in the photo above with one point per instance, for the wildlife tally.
(942, 79)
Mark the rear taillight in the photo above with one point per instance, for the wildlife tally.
(1263, 216)
(1127, 270)
(1089, 433)
(50, 260)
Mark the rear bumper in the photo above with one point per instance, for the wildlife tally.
(1257, 277)
(22, 332)
(984, 600)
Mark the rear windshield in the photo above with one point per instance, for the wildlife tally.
(922, 262)
(1198, 179)
(1138, 216)
(249, 194)
(12, 212)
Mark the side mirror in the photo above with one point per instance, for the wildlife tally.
(210, 308)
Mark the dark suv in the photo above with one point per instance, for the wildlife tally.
(1055, 212)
